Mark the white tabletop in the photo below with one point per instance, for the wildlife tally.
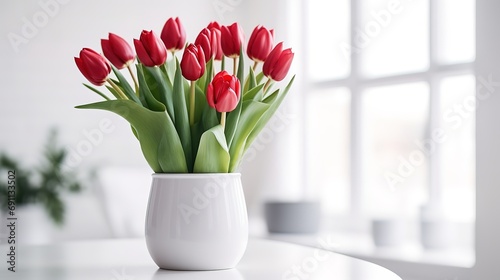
(128, 259)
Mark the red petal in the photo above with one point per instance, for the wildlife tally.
(210, 95)
(228, 101)
(121, 48)
(110, 55)
(271, 60)
(143, 54)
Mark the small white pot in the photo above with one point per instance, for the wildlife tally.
(389, 232)
(292, 217)
(437, 234)
(34, 226)
(196, 221)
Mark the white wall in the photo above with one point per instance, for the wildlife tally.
(41, 84)
(274, 169)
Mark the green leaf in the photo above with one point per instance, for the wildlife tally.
(134, 132)
(213, 155)
(254, 94)
(251, 82)
(181, 116)
(241, 67)
(210, 118)
(208, 73)
(232, 122)
(271, 97)
(125, 86)
(156, 132)
(269, 114)
(147, 98)
(96, 91)
(259, 77)
(113, 91)
(234, 116)
(197, 131)
(158, 84)
(200, 104)
(249, 118)
(168, 69)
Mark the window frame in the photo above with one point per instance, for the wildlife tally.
(357, 83)
(487, 226)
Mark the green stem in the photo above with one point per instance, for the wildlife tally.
(255, 65)
(223, 120)
(117, 89)
(235, 66)
(223, 64)
(192, 102)
(266, 86)
(134, 79)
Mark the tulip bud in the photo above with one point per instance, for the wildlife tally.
(193, 62)
(216, 37)
(260, 43)
(231, 40)
(93, 66)
(278, 63)
(150, 49)
(117, 51)
(223, 93)
(173, 35)
(204, 40)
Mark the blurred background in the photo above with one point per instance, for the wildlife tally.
(379, 130)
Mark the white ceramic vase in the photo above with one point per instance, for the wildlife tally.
(196, 221)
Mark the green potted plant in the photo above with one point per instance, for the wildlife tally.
(38, 187)
(194, 121)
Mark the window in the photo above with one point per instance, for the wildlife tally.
(391, 107)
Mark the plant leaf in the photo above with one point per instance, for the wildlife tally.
(254, 94)
(181, 116)
(96, 91)
(249, 118)
(158, 85)
(208, 72)
(234, 116)
(250, 82)
(200, 104)
(157, 136)
(197, 131)
(269, 114)
(271, 97)
(113, 91)
(147, 98)
(213, 155)
(259, 77)
(125, 86)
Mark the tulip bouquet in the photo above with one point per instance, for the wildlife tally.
(193, 116)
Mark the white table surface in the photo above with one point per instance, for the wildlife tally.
(128, 259)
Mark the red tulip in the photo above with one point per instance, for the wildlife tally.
(231, 40)
(223, 93)
(150, 49)
(260, 43)
(206, 42)
(216, 37)
(193, 62)
(173, 35)
(214, 24)
(117, 51)
(93, 66)
(278, 63)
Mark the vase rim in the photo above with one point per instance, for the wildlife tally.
(193, 175)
